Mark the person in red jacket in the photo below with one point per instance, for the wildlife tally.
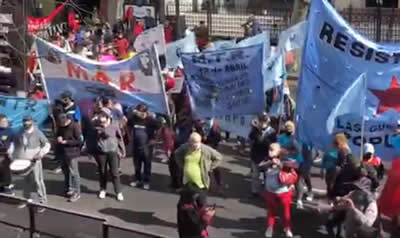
(168, 32)
(169, 81)
(122, 45)
(167, 137)
(138, 28)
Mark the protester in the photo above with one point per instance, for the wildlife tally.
(69, 141)
(202, 37)
(168, 32)
(38, 93)
(138, 28)
(194, 215)
(122, 45)
(261, 136)
(277, 190)
(69, 106)
(31, 144)
(143, 128)
(369, 158)
(149, 21)
(197, 160)
(109, 149)
(166, 135)
(6, 151)
(252, 27)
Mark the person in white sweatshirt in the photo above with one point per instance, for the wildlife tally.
(32, 144)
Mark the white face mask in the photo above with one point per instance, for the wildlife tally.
(195, 146)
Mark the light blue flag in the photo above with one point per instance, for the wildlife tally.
(226, 81)
(352, 102)
(294, 37)
(176, 48)
(15, 108)
(334, 57)
(275, 71)
(262, 38)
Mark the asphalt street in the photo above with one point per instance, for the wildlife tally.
(238, 215)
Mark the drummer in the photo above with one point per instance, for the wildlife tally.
(31, 144)
(6, 150)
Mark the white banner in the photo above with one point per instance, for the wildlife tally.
(153, 36)
(142, 11)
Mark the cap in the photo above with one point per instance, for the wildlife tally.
(369, 148)
(27, 118)
(66, 94)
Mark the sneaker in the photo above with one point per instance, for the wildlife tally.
(299, 204)
(135, 184)
(269, 232)
(102, 194)
(310, 197)
(288, 233)
(69, 193)
(56, 170)
(75, 197)
(146, 186)
(120, 197)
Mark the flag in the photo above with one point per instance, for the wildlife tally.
(176, 48)
(389, 200)
(152, 36)
(36, 24)
(294, 37)
(334, 56)
(352, 102)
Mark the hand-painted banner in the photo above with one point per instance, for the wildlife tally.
(15, 108)
(150, 37)
(176, 48)
(132, 81)
(36, 24)
(334, 57)
(226, 81)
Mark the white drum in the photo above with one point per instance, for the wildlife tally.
(21, 167)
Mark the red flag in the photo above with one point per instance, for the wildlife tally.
(36, 24)
(389, 201)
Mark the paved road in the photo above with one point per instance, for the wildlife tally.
(237, 216)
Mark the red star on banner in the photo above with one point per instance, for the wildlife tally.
(388, 98)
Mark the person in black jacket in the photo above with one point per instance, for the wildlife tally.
(69, 143)
(143, 127)
(6, 150)
(261, 136)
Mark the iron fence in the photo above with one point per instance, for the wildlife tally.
(377, 24)
(28, 222)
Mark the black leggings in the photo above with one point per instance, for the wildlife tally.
(105, 161)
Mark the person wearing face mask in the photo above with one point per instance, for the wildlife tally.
(69, 142)
(109, 148)
(144, 128)
(276, 190)
(70, 107)
(32, 144)
(197, 160)
(261, 136)
(6, 150)
(373, 160)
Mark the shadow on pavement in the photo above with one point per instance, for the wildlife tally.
(142, 218)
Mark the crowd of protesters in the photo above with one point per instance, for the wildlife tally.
(108, 130)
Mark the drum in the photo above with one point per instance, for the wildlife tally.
(21, 167)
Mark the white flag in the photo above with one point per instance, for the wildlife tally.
(153, 36)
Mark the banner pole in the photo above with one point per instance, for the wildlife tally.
(42, 80)
(363, 119)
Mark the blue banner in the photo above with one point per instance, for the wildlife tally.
(15, 108)
(226, 81)
(239, 125)
(334, 57)
(129, 82)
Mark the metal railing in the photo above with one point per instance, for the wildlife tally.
(58, 223)
(377, 24)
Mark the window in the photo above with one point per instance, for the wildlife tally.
(385, 3)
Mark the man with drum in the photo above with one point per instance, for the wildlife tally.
(6, 150)
(31, 145)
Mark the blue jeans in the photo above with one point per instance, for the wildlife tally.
(72, 178)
